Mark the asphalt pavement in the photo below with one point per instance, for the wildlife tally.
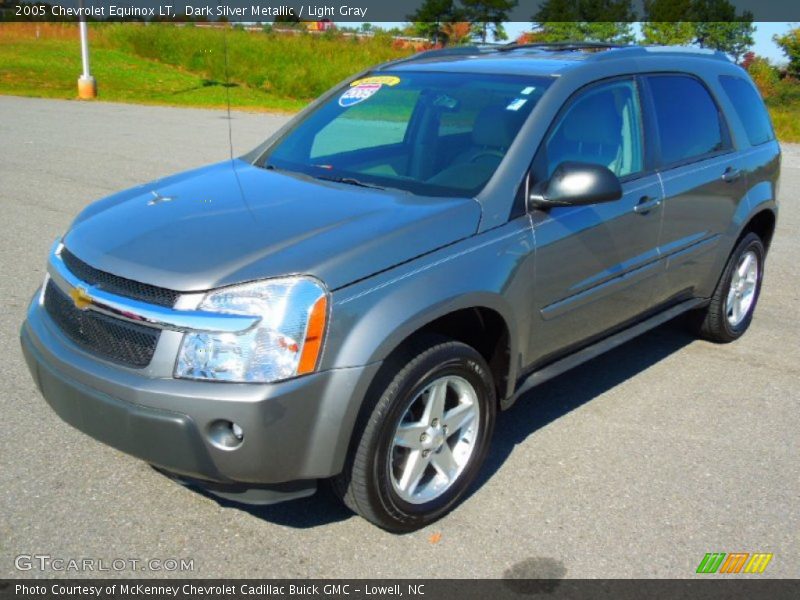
(634, 465)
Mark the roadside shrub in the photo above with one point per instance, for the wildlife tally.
(747, 60)
(764, 75)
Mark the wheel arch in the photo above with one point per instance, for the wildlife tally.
(762, 223)
(481, 319)
(483, 328)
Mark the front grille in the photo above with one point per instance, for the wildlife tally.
(119, 341)
(118, 285)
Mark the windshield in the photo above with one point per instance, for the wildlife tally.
(437, 134)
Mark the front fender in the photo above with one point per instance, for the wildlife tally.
(493, 270)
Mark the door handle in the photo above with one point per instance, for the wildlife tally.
(646, 204)
(730, 175)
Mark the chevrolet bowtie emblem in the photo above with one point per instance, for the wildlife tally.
(81, 298)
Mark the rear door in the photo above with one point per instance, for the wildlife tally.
(597, 265)
(702, 177)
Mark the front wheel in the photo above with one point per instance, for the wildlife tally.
(424, 441)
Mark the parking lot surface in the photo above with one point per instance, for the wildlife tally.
(634, 465)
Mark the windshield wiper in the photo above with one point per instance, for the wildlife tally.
(350, 181)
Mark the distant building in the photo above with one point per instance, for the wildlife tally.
(321, 25)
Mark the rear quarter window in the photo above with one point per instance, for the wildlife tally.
(749, 107)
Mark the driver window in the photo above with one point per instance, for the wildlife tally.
(601, 126)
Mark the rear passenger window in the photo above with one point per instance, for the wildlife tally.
(748, 105)
(688, 120)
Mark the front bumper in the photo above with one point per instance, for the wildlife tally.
(294, 430)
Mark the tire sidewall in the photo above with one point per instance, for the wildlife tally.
(463, 364)
(750, 243)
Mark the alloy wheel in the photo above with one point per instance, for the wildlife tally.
(741, 293)
(434, 439)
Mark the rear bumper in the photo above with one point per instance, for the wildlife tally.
(294, 430)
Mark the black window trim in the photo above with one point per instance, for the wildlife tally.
(725, 130)
(773, 136)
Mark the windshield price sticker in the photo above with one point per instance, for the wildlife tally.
(381, 79)
(358, 94)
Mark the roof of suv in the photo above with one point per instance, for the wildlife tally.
(538, 59)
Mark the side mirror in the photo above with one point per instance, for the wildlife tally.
(576, 184)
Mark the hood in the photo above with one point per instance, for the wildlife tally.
(232, 222)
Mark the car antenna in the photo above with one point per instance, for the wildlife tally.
(227, 87)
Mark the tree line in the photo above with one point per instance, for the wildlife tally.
(706, 23)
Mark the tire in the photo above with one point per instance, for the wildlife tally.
(378, 482)
(719, 322)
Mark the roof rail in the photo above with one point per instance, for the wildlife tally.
(454, 51)
(689, 51)
(561, 46)
(615, 51)
(474, 49)
(437, 52)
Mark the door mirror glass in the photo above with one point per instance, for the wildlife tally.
(577, 184)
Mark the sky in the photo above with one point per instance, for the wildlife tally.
(764, 46)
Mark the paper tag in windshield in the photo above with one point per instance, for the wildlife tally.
(516, 104)
(381, 79)
(358, 94)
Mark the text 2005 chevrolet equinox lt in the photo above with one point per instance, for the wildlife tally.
(355, 300)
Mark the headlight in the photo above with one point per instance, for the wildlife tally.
(284, 343)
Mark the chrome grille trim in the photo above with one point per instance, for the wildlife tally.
(144, 313)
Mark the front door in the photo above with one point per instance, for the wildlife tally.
(597, 266)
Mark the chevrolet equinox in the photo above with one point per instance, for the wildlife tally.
(354, 300)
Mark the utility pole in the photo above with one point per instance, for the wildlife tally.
(87, 86)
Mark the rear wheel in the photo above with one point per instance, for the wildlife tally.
(425, 439)
(730, 312)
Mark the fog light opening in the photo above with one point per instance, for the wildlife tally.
(226, 435)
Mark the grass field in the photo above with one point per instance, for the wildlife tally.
(183, 66)
(186, 66)
(784, 107)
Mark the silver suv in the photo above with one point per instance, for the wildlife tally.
(354, 300)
